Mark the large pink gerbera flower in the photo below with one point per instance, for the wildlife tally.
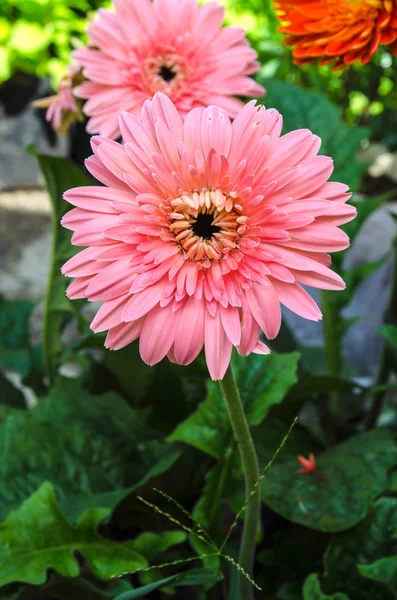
(203, 229)
(171, 46)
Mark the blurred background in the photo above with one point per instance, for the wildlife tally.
(36, 38)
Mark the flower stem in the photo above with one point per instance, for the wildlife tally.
(251, 474)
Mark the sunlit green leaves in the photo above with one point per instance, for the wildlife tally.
(39, 33)
(37, 537)
(356, 473)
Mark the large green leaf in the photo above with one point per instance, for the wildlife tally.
(362, 561)
(383, 570)
(93, 449)
(14, 335)
(302, 108)
(37, 537)
(312, 590)
(356, 473)
(150, 544)
(262, 380)
(188, 579)
(60, 175)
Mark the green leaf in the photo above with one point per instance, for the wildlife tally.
(356, 473)
(14, 335)
(390, 333)
(37, 537)
(150, 544)
(60, 175)
(188, 579)
(262, 380)
(302, 108)
(312, 590)
(383, 570)
(362, 561)
(94, 450)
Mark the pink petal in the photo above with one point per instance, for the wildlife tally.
(250, 330)
(298, 300)
(265, 306)
(122, 335)
(218, 349)
(158, 333)
(141, 303)
(216, 131)
(109, 315)
(189, 335)
(230, 318)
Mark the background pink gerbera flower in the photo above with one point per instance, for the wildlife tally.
(63, 108)
(172, 46)
(203, 229)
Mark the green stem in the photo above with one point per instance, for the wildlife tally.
(251, 474)
(331, 344)
(47, 335)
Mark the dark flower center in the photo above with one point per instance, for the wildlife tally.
(203, 226)
(167, 73)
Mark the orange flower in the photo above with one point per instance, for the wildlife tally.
(338, 31)
(309, 467)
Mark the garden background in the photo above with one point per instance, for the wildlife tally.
(88, 436)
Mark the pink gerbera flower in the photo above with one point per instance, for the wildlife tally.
(203, 229)
(171, 46)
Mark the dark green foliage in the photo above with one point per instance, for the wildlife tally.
(15, 352)
(84, 445)
(362, 561)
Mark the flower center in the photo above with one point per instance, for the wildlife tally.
(203, 226)
(206, 224)
(165, 73)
